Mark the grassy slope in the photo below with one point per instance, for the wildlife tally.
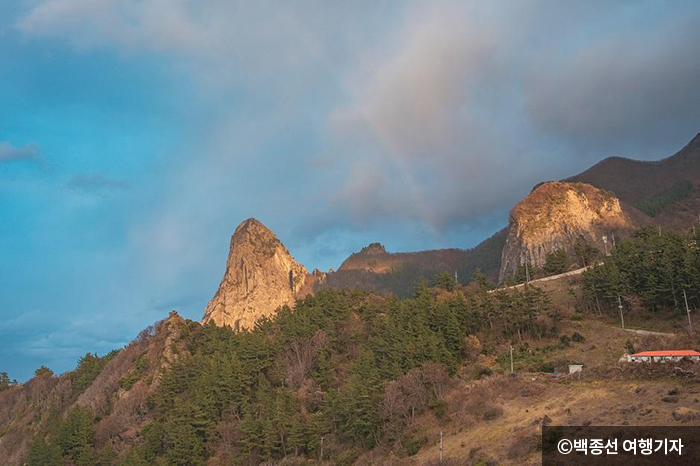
(607, 393)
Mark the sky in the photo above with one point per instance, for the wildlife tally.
(135, 135)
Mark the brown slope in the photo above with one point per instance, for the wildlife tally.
(637, 182)
(373, 268)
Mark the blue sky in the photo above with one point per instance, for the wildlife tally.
(136, 134)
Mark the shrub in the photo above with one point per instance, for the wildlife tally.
(492, 413)
(546, 367)
(413, 443)
(439, 408)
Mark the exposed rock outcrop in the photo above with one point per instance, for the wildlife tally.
(555, 215)
(261, 275)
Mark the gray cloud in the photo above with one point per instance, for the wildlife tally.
(95, 183)
(433, 114)
(633, 93)
(28, 153)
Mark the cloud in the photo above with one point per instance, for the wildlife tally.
(438, 113)
(464, 107)
(29, 153)
(95, 183)
(218, 41)
(429, 108)
(632, 93)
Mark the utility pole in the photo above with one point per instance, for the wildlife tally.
(659, 230)
(613, 237)
(455, 278)
(511, 359)
(527, 268)
(320, 455)
(441, 447)
(605, 242)
(619, 304)
(687, 309)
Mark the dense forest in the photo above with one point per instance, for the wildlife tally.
(678, 191)
(657, 267)
(341, 373)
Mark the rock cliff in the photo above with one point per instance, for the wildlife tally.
(261, 275)
(555, 215)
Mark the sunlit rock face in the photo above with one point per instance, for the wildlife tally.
(557, 214)
(261, 276)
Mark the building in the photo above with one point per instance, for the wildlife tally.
(664, 356)
(573, 368)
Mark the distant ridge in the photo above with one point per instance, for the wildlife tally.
(671, 184)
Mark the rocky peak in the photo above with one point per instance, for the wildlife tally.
(374, 248)
(554, 216)
(261, 276)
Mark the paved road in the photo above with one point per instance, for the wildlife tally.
(551, 277)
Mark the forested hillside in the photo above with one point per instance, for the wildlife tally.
(655, 269)
(377, 270)
(340, 374)
(347, 377)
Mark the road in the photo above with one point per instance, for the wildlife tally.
(551, 277)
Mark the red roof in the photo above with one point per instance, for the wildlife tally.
(667, 353)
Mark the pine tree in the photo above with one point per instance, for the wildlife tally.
(186, 447)
(5, 381)
(445, 281)
(43, 454)
(42, 370)
(556, 262)
(87, 457)
(76, 432)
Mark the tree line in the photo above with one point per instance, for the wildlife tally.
(655, 266)
(342, 372)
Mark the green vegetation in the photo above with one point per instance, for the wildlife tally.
(680, 190)
(655, 266)
(342, 372)
(324, 370)
(89, 367)
(556, 262)
(134, 375)
(346, 371)
(584, 253)
(69, 439)
(5, 381)
(43, 370)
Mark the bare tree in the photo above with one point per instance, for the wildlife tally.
(300, 356)
(436, 378)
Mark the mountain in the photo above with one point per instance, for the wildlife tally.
(261, 276)
(555, 215)
(613, 197)
(668, 189)
(355, 378)
(345, 376)
(114, 389)
(373, 268)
